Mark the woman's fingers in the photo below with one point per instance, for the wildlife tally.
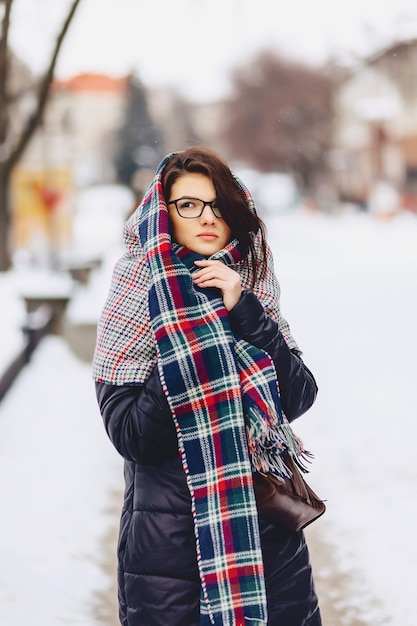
(215, 270)
(217, 274)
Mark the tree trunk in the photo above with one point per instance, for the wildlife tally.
(5, 260)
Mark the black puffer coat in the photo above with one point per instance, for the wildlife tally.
(158, 576)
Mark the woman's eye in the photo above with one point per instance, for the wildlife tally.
(187, 204)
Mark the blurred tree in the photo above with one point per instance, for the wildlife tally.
(139, 138)
(13, 141)
(279, 116)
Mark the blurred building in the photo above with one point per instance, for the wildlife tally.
(20, 81)
(375, 131)
(83, 114)
(76, 145)
(73, 148)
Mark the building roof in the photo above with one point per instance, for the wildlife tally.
(89, 82)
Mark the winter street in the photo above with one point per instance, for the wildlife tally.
(349, 293)
(305, 116)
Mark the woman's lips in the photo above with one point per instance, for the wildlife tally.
(207, 236)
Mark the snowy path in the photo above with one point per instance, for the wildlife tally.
(58, 473)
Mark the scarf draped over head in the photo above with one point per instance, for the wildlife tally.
(223, 394)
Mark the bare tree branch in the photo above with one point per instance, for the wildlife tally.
(43, 92)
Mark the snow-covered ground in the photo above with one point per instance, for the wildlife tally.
(60, 477)
(349, 292)
(57, 476)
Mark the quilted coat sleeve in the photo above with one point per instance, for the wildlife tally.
(138, 420)
(297, 384)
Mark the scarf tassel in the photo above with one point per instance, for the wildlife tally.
(274, 448)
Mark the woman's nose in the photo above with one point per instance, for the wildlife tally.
(207, 216)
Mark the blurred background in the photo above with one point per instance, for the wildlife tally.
(314, 106)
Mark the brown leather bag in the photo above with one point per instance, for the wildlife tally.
(290, 503)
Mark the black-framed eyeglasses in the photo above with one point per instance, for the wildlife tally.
(190, 208)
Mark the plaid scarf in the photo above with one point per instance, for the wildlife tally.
(223, 394)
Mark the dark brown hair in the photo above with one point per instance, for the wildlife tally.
(231, 200)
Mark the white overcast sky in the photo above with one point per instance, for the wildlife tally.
(192, 43)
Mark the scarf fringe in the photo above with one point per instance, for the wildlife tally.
(270, 443)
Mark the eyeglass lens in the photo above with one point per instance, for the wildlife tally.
(193, 207)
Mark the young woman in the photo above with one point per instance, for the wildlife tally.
(192, 366)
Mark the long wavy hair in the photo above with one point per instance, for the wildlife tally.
(242, 221)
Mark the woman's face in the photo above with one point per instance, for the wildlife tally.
(206, 234)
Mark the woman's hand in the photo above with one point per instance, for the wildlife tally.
(217, 274)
